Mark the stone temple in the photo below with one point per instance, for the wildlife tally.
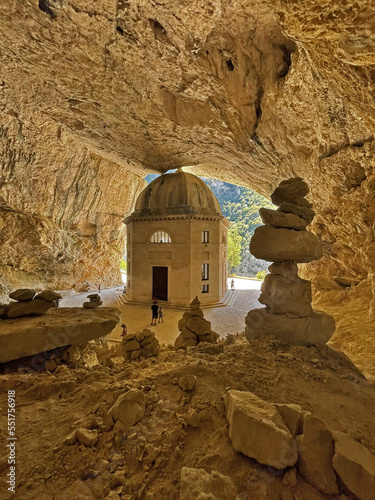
(177, 242)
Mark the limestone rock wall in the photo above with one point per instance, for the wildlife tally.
(61, 207)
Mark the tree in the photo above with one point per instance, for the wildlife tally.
(234, 248)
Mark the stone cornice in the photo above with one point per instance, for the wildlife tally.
(148, 218)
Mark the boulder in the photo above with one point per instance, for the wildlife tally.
(278, 244)
(129, 408)
(355, 466)
(197, 484)
(283, 295)
(62, 326)
(94, 296)
(315, 449)
(281, 219)
(22, 294)
(316, 329)
(304, 212)
(257, 430)
(34, 307)
(87, 437)
(49, 296)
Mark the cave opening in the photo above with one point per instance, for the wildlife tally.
(240, 206)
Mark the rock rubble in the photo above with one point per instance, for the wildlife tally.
(140, 346)
(260, 430)
(285, 241)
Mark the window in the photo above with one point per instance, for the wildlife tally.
(205, 236)
(205, 288)
(205, 272)
(160, 237)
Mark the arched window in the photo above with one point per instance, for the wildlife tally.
(160, 237)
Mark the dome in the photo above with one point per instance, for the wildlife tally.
(177, 193)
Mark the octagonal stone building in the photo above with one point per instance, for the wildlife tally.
(176, 243)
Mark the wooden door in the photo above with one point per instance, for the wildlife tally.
(160, 283)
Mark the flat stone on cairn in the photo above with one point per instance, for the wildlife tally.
(284, 240)
(95, 301)
(22, 294)
(194, 328)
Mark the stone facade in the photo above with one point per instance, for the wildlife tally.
(177, 236)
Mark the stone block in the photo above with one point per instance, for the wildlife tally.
(355, 465)
(131, 345)
(197, 484)
(282, 295)
(282, 219)
(278, 244)
(257, 430)
(315, 450)
(87, 437)
(183, 321)
(129, 408)
(200, 326)
(187, 382)
(62, 326)
(312, 330)
(286, 268)
(187, 334)
(34, 307)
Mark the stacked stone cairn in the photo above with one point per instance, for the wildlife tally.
(28, 303)
(284, 240)
(94, 301)
(194, 328)
(140, 346)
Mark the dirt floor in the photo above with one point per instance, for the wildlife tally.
(146, 461)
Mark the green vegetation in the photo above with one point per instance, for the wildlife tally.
(241, 207)
(123, 265)
(234, 248)
(260, 275)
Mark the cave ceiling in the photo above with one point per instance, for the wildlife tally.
(248, 91)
